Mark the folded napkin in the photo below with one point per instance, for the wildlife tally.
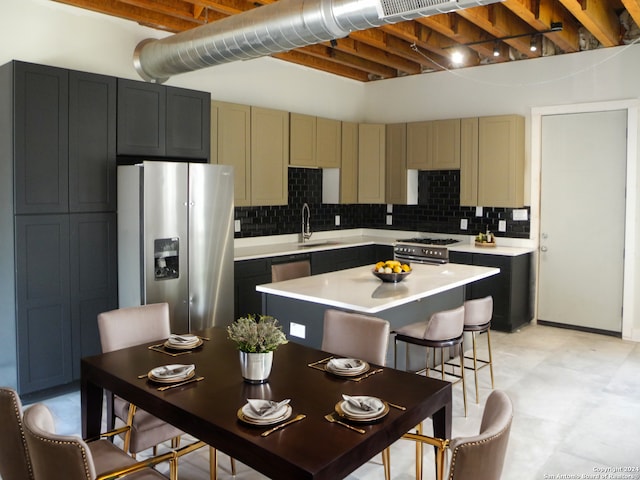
(173, 371)
(264, 408)
(365, 404)
(183, 339)
(346, 363)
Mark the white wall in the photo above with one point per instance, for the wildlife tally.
(514, 87)
(43, 31)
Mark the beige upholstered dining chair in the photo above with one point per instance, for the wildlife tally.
(15, 463)
(480, 457)
(56, 457)
(443, 329)
(358, 336)
(355, 335)
(288, 271)
(126, 327)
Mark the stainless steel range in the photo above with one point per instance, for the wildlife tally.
(432, 251)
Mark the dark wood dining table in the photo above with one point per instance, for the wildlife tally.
(312, 448)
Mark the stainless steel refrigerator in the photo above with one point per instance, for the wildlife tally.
(175, 240)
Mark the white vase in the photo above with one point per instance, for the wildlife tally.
(256, 367)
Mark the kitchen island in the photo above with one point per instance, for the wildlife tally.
(299, 304)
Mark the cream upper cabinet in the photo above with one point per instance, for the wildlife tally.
(418, 145)
(314, 141)
(433, 145)
(501, 161)
(492, 161)
(396, 163)
(231, 145)
(349, 163)
(302, 140)
(469, 162)
(371, 163)
(269, 156)
(445, 144)
(328, 142)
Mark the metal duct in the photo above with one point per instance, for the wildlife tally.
(277, 27)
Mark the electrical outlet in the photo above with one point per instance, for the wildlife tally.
(464, 223)
(389, 219)
(236, 226)
(337, 220)
(478, 211)
(502, 225)
(520, 215)
(389, 207)
(297, 330)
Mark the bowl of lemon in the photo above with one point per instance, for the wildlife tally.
(392, 271)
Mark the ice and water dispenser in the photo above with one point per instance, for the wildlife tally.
(166, 253)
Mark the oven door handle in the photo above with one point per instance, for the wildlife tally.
(416, 259)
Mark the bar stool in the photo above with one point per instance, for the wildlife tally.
(443, 329)
(477, 319)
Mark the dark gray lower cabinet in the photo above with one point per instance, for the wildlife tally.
(93, 279)
(66, 274)
(343, 258)
(43, 302)
(512, 305)
(249, 273)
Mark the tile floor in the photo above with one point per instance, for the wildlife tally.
(577, 409)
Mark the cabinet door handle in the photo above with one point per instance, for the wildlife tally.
(543, 249)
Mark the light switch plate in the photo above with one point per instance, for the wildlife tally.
(297, 330)
(389, 219)
(464, 223)
(337, 221)
(389, 207)
(236, 226)
(502, 225)
(478, 211)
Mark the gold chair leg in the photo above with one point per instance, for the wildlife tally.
(442, 361)
(419, 453)
(464, 387)
(127, 436)
(440, 456)
(173, 469)
(213, 463)
(386, 463)
(490, 357)
(475, 363)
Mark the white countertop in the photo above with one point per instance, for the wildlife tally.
(278, 245)
(359, 290)
(497, 250)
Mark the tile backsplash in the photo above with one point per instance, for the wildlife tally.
(438, 210)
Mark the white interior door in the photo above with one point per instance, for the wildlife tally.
(582, 213)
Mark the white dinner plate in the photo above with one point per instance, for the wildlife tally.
(171, 373)
(279, 416)
(340, 410)
(183, 345)
(340, 367)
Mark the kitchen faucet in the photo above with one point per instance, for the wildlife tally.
(306, 223)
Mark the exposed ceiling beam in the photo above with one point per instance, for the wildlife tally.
(540, 14)
(633, 7)
(598, 18)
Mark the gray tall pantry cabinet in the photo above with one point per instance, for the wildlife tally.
(58, 267)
